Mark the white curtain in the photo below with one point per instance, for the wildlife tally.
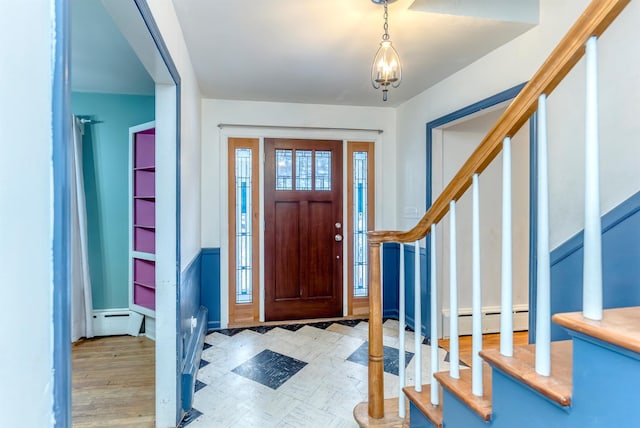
(81, 302)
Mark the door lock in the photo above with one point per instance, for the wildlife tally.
(338, 237)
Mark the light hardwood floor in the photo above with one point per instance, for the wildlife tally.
(113, 382)
(489, 341)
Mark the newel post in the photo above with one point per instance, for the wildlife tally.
(376, 351)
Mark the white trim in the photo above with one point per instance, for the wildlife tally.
(261, 226)
(150, 328)
(166, 257)
(345, 229)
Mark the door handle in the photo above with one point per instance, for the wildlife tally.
(338, 237)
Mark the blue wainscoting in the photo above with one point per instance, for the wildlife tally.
(199, 300)
(620, 265)
(391, 281)
(210, 288)
(191, 338)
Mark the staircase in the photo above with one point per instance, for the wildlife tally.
(591, 380)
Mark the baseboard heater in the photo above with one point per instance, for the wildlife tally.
(490, 320)
(114, 322)
(192, 358)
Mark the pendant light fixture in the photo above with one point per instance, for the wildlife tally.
(386, 69)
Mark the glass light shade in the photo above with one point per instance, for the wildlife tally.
(386, 69)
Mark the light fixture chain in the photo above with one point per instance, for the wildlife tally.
(385, 36)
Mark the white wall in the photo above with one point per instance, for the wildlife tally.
(516, 62)
(26, 43)
(166, 18)
(215, 112)
(452, 147)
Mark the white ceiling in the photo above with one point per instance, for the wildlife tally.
(306, 51)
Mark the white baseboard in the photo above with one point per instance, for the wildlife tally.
(490, 320)
(114, 322)
(149, 327)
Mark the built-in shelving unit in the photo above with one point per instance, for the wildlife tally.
(142, 223)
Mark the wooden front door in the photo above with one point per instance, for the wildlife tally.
(303, 229)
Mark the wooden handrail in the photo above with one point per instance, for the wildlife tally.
(598, 15)
(596, 18)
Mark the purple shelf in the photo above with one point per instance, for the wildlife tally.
(144, 240)
(144, 183)
(144, 212)
(144, 218)
(145, 297)
(144, 271)
(145, 152)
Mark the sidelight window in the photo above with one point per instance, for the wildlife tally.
(360, 224)
(244, 226)
(360, 173)
(243, 260)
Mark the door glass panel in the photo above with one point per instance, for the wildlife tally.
(323, 170)
(244, 226)
(284, 170)
(360, 226)
(303, 169)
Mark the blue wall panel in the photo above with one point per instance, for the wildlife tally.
(620, 269)
(390, 281)
(190, 339)
(210, 289)
(391, 272)
(189, 302)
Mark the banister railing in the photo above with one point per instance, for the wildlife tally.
(596, 18)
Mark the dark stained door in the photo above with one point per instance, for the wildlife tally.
(303, 229)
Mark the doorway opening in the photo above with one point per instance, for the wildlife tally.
(148, 77)
(450, 141)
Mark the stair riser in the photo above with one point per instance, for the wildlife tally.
(517, 405)
(456, 414)
(417, 418)
(606, 382)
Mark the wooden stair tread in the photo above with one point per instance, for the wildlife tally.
(521, 366)
(620, 327)
(390, 419)
(461, 388)
(422, 401)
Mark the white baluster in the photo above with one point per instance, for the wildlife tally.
(506, 309)
(454, 351)
(435, 398)
(401, 337)
(476, 306)
(592, 269)
(543, 295)
(417, 320)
